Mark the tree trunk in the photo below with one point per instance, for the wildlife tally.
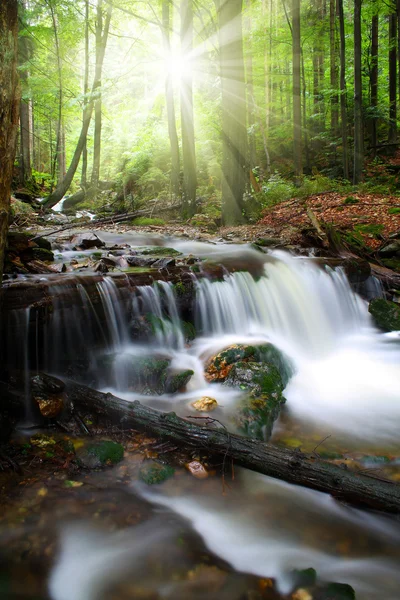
(60, 91)
(63, 186)
(98, 102)
(187, 116)
(333, 69)
(9, 111)
(233, 104)
(61, 155)
(85, 92)
(25, 168)
(343, 103)
(291, 466)
(374, 79)
(358, 121)
(392, 137)
(169, 98)
(250, 89)
(297, 151)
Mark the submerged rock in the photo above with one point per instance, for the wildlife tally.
(386, 314)
(154, 472)
(100, 453)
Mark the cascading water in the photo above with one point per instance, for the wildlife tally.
(345, 379)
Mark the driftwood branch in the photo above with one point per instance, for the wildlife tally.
(292, 466)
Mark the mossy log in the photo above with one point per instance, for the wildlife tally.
(292, 466)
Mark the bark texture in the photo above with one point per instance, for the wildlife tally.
(292, 466)
(9, 111)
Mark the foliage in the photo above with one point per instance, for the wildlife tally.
(143, 221)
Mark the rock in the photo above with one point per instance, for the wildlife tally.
(161, 251)
(197, 469)
(100, 267)
(86, 241)
(58, 268)
(43, 243)
(386, 314)
(38, 267)
(176, 381)
(50, 406)
(389, 250)
(41, 254)
(43, 383)
(154, 472)
(140, 261)
(100, 453)
(26, 197)
(163, 263)
(205, 404)
(357, 270)
(258, 411)
(266, 241)
(219, 366)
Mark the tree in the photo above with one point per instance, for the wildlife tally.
(24, 48)
(63, 186)
(101, 42)
(169, 96)
(343, 92)
(233, 105)
(392, 75)
(9, 111)
(358, 121)
(298, 167)
(374, 76)
(187, 117)
(85, 93)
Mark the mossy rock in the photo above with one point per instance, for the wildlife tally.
(265, 242)
(386, 314)
(189, 331)
(218, 367)
(258, 411)
(43, 243)
(177, 381)
(153, 473)
(100, 453)
(158, 251)
(336, 591)
(350, 200)
(392, 263)
(42, 254)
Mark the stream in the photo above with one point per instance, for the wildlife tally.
(113, 537)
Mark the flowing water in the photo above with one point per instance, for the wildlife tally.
(345, 383)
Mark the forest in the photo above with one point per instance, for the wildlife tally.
(199, 299)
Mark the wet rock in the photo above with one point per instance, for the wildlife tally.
(101, 267)
(50, 406)
(164, 263)
(197, 469)
(268, 241)
(261, 406)
(153, 472)
(100, 453)
(386, 314)
(42, 254)
(38, 267)
(177, 381)
(140, 261)
(58, 268)
(160, 251)
(47, 383)
(141, 329)
(219, 366)
(390, 250)
(357, 270)
(86, 241)
(205, 404)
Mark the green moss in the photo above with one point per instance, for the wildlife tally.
(180, 288)
(386, 314)
(391, 263)
(374, 229)
(304, 578)
(143, 221)
(100, 453)
(158, 251)
(177, 381)
(395, 210)
(42, 254)
(155, 473)
(189, 331)
(96, 255)
(338, 591)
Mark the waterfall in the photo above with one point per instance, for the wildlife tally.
(301, 304)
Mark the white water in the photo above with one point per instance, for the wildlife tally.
(346, 380)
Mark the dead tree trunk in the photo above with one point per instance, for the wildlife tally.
(291, 466)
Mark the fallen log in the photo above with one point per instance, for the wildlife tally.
(292, 466)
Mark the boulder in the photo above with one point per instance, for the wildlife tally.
(261, 406)
(390, 249)
(86, 241)
(386, 314)
(219, 366)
